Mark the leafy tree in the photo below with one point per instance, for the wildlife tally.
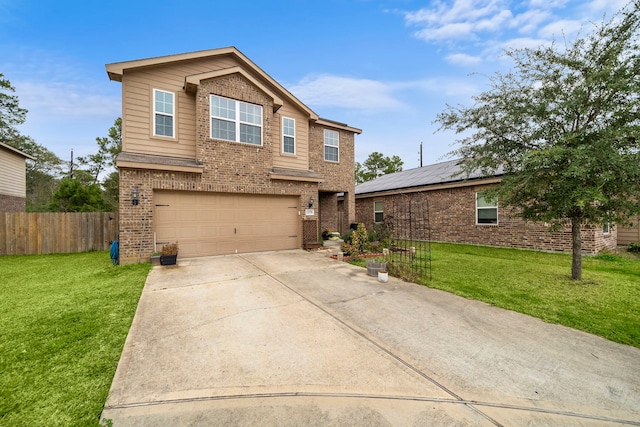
(111, 190)
(565, 126)
(11, 114)
(108, 150)
(43, 172)
(44, 169)
(377, 165)
(74, 196)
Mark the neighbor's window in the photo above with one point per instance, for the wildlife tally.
(606, 228)
(378, 211)
(163, 113)
(331, 145)
(236, 121)
(486, 209)
(288, 135)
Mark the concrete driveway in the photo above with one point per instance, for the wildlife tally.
(294, 338)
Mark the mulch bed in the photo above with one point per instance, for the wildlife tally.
(348, 258)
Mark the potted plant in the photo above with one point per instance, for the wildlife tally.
(169, 254)
(155, 258)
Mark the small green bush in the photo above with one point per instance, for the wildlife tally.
(634, 247)
(360, 239)
(348, 249)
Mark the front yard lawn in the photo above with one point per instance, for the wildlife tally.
(605, 303)
(63, 322)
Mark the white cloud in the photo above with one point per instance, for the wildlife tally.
(606, 5)
(66, 100)
(446, 32)
(522, 43)
(560, 29)
(337, 91)
(530, 20)
(463, 59)
(492, 25)
(548, 4)
(462, 18)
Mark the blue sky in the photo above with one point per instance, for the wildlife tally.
(387, 67)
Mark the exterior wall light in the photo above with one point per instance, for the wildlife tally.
(134, 196)
(311, 202)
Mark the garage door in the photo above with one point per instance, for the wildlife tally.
(219, 223)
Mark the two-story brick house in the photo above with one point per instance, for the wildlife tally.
(221, 158)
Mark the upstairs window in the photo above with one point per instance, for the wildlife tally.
(331, 145)
(236, 121)
(486, 209)
(378, 211)
(288, 135)
(163, 113)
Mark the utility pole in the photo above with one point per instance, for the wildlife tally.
(71, 165)
(420, 153)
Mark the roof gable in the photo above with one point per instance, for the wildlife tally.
(116, 70)
(15, 151)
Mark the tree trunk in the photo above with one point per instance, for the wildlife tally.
(576, 238)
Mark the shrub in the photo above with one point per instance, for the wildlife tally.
(634, 247)
(170, 249)
(360, 239)
(348, 249)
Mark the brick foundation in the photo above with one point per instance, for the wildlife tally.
(12, 203)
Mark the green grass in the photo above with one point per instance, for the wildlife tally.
(63, 322)
(606, 302)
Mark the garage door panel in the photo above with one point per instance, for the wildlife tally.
(216, 223)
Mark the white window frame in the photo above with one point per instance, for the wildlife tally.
(376, 211)
(331, 139)
(237, 120)
(490, 207)
(606, 228)
(286, 135)
(163, 113)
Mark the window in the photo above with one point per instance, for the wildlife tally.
(236, 121)
(331, 145)
(163, 114)
(486, 209)
(288, 135)
(378, 211)
(606, 228)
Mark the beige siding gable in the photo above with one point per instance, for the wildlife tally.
(299, 160)
(13, 181)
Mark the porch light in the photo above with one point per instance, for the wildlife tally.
(311, 202)
(134, 196)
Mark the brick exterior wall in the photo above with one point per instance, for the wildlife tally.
(329, 211)
(338, 176)
(12, 203)
(452, 218)
(230, 167)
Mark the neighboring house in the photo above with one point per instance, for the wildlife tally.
(629, 233)
(221, 158)
(456, 210)
(13, 179)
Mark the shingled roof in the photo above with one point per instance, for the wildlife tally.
(439, 173)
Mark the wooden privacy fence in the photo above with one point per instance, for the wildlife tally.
(26, 233)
